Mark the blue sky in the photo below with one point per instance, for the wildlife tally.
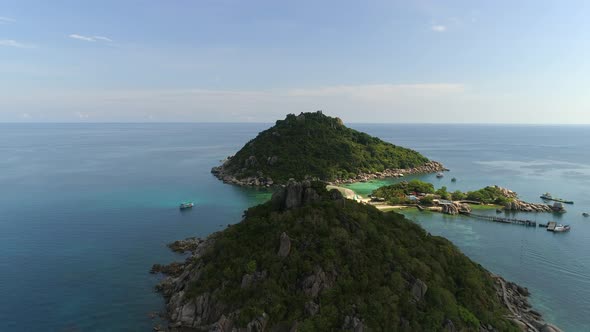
(365, 61)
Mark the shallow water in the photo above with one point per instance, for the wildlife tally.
(87, 209)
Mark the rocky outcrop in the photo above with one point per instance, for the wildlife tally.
(517, 205)
(429, 167)
(419, 289)
(256, 181)
(314, 284)
(295, 194)
(353, 323)
(187, 245)
(455, 208)
(285, 246)
(515, 299)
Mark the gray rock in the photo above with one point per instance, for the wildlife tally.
(449, 326)
(419, 289)
(285, 246)
(311, 308)
(249, 279)
(314, 284)
(187, 314)
(258, 324)
(353, 323)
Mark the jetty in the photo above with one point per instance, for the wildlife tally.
(502, 220)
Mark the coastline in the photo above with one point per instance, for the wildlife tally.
(264, 181)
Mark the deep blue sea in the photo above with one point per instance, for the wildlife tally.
(86, 209)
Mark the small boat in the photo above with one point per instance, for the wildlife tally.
(453, 180)
(499, 211)
(439, 175)
(548, 197)
(585, 214)
(561, 228)
(186, 205)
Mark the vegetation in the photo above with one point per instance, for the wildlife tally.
(488, 195)
(316, 145)
(373, 259)
(397, 193)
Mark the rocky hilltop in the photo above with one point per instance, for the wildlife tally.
(310, 260)
(316, 146)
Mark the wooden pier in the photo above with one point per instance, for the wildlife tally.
(503, 220)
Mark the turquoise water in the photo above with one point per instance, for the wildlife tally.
(87, 209)
(530, 160)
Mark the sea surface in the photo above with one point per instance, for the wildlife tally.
(86, 209)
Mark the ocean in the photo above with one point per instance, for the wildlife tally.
(86, 209)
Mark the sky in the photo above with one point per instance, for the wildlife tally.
(257, 60)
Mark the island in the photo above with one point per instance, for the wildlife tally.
(311, 260)
(316, 146)
(421, 194)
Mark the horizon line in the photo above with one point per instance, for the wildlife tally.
(270, 122)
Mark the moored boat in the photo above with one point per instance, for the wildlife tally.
(453, 180)
(561, 228)
(585, 214)
(439, 175)
(548, 197)
(186, 205)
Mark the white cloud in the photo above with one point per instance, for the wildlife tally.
(90, 38)
(80, 37)
(14, 43)
(102, 38)
(439, 28)
(6, 20)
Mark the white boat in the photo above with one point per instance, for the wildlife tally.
(561, 228)
(186, 205)
(439, 175)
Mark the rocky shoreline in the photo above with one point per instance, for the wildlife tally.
(263, 181)
(515, 299)
(429, 167)
(517, 205)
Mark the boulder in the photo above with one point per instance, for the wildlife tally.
(419, 289)
(311, 308)
(285, 246)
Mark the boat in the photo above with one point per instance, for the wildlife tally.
(499, 211)
(186, 205)
(561, 228)
(548, 197)
(439, 175)
(453, 180)
(552, 226)
(585, 214)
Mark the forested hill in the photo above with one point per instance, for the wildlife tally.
(317, 146)
(312, 260)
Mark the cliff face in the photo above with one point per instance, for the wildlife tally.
(316, 146)
(309, 260)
